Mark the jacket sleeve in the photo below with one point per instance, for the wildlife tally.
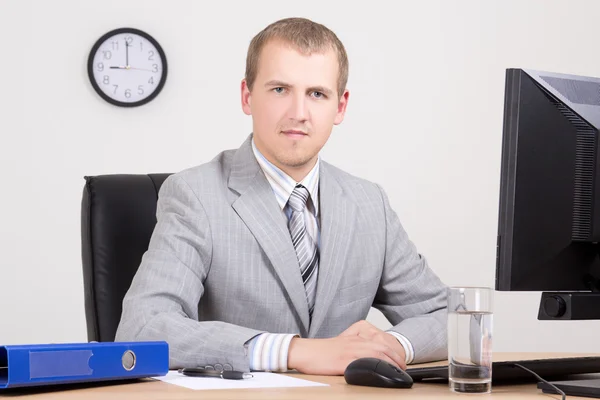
(162, 301)
(410, 295)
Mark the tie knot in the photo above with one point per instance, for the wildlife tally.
(297, 200)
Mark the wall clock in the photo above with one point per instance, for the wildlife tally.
(127, 67)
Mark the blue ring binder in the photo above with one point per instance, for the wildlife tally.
(47, 364)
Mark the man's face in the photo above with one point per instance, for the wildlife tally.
(294, 104)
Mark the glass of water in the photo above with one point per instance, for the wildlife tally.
(470, 322)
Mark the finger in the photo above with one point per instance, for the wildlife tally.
(369, 335)
(398, 348)
(396, 358)
(376, 350)
(366, 326)
(355, 329)
(392, 342)
(390, 361)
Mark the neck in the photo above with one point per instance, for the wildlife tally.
(297, 173)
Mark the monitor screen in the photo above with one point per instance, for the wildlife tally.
(549, 214)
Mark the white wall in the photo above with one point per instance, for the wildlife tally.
(424, 120)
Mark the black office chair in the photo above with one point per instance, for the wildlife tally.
(118, 215)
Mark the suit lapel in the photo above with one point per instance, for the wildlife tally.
(338, 215)
(259, 210)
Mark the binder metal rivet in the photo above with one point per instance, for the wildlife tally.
(128, 360)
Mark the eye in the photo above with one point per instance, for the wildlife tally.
(319, 95)
(278, 90)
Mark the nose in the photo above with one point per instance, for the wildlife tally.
(298, 110)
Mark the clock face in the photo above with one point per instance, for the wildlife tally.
(127, 67)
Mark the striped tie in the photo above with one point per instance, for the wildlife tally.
(306, 250)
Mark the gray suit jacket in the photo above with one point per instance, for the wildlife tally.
(221, 267)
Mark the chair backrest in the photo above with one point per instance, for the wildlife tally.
(118, 216)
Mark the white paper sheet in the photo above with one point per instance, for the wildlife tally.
(259, 380)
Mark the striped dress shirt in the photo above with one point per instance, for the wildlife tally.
(269, 351)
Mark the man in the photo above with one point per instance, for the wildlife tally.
(269, 258)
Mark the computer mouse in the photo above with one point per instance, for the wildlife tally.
(375, 372)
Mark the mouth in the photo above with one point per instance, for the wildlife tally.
(294, 133)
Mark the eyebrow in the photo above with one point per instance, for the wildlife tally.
(322, 89)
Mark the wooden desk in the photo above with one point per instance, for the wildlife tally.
(338, 389)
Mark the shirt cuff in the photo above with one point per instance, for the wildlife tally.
(269, 352)
(408, 349)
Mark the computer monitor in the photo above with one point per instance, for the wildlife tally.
(549, 215)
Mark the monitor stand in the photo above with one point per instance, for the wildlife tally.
(569, 306)
(582, 387)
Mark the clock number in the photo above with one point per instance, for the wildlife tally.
(106, 80)
(116, 87)
(140, 90)
(107, 54)
(127, 93)
(129, 39)
(154, 67)
(151, 56)
(151, 80)
(115, 46)
(141, 46)
(100, 66)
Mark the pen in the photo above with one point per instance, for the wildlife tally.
(204, 373)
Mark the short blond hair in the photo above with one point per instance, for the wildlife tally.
(303, 34)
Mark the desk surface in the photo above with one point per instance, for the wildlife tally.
(338, 389)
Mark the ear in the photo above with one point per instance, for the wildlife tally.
(341, 110)
(246, 97)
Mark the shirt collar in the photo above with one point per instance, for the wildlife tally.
(283, 185)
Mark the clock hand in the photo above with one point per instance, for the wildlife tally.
(140, 69)
(128, 67)
(126, 53)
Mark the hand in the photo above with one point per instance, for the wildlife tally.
(332, 356)
(368, 331)
(126, 53)
(126, 67)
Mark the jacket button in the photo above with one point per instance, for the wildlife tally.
(219, 367)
